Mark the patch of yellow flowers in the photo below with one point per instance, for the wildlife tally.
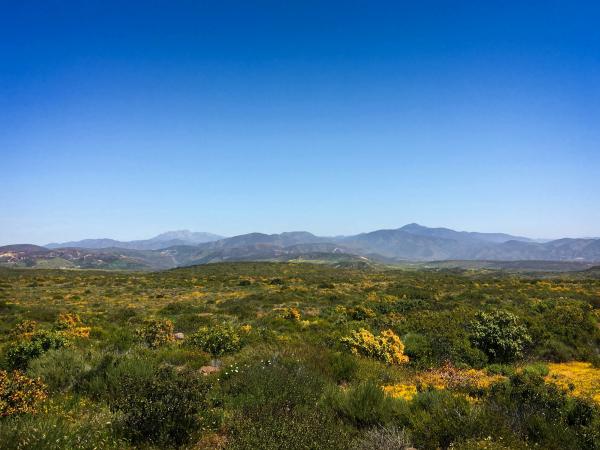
(581, 379)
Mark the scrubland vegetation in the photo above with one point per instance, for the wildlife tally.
(298, 356)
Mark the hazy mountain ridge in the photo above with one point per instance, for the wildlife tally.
(411, 242)
(163, 240)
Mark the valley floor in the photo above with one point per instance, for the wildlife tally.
(299, 356)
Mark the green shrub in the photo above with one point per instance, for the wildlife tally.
(417, 347)
(365, 405)
(217, 340)
(360, 313)
(543, 414)
(341, 367)
(20, 354)
(276, 403)
(161, 409)
(499, 335)
(59, 369)
(438, 418)
(63, 426)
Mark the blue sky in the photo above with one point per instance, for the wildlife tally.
(333, 117)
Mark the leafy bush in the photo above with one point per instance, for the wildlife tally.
(438, 418)
(157, 332)
(365, 405)
(19, 354)
(341, 367)
(360, 313)
(387, 346)
(499, 335)
(544, 414)
(161, 409)
(217, 339)
(59, 369)
(19, 394)
(276, 404)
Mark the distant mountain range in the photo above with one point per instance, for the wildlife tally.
(164, 240)
(410, 243)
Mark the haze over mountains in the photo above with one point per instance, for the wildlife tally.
(164, 240)
(410, 243)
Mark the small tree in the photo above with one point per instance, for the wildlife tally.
(499, 335)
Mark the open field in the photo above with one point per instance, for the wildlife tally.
(284, 355)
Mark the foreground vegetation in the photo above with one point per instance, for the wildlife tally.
(266, 355)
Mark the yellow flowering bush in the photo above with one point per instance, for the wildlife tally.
(24, 329)
(70, 325)
(157, 332)
(580, 378)
(386, 347)
(291, 313)
(19, 393)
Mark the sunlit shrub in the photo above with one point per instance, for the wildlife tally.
(156, 332)
(291, 313)
(24, 329)
(217, 339)
(500, 335)
(19, 394)
(386, 347)
(70, 324)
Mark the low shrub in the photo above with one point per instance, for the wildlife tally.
(60, 369)
(20, 354)
(156, 332)
(217, 340)
(365, 405)
(360, 313)
(161, 409)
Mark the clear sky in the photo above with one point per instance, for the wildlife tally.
(124, 119)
